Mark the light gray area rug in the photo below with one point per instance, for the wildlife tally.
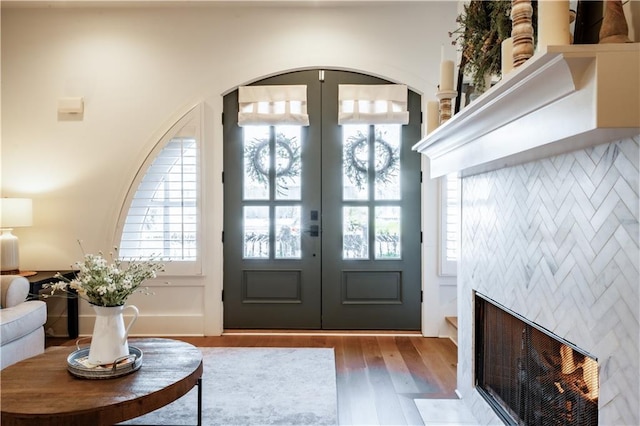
(258, 386)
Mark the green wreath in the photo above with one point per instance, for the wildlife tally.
(258, 159)
(356, 167)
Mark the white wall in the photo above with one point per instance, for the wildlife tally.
(139, 69)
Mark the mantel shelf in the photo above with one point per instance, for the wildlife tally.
(563, 99)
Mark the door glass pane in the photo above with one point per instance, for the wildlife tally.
(355, 162)
(387, 225)
(387, 162)
(288, 232)
(257, 162)
(288, 163)
(355, 232)
(256, 232)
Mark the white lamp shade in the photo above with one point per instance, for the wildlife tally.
(16, 212)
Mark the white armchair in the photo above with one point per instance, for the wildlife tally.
(21, 321)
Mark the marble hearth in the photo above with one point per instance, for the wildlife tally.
(550, 223)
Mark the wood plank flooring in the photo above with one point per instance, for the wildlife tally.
(378, 376)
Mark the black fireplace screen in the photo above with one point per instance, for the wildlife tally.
(529, 376)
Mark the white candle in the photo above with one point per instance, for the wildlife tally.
(507, 56)
(553, 23)
(433, 115)
(446, 76)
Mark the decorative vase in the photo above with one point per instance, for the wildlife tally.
(109, 339)
(521, 31)
(614, 27)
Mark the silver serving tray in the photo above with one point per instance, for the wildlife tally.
(120, 367)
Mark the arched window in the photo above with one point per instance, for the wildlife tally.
(162, 206)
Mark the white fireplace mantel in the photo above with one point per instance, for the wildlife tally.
(563, 99)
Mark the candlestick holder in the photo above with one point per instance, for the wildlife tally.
(521, 31)
(445, 96)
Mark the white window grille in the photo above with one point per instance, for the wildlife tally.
(449, 224)
(272, 105)
(373, 104)
(162, 218)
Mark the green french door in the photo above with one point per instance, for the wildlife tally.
(321, 222)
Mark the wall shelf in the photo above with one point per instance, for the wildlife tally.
(563, 99)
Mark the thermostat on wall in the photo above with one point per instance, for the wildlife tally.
(70, 105)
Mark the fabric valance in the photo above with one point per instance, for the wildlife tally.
(273, 105)
(373, 104)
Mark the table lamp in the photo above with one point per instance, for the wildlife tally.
(14, 213)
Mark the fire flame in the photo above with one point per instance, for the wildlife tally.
(589, 370)
(590, 376)
(566, 356)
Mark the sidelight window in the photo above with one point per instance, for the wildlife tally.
(450, 197)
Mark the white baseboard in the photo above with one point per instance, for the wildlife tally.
(146, 325)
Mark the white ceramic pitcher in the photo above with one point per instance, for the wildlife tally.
(109, 339)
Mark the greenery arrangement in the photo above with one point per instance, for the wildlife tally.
(483, 25)
(104, 284)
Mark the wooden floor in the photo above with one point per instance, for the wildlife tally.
(377, 376)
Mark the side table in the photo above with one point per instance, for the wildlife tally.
(41, 278)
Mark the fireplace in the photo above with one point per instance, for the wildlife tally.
(550, 218)
(530, 376)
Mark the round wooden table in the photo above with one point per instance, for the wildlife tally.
(40, 391)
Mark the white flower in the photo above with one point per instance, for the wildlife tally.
(104, 284)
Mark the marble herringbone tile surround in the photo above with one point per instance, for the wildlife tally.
(556, 240)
